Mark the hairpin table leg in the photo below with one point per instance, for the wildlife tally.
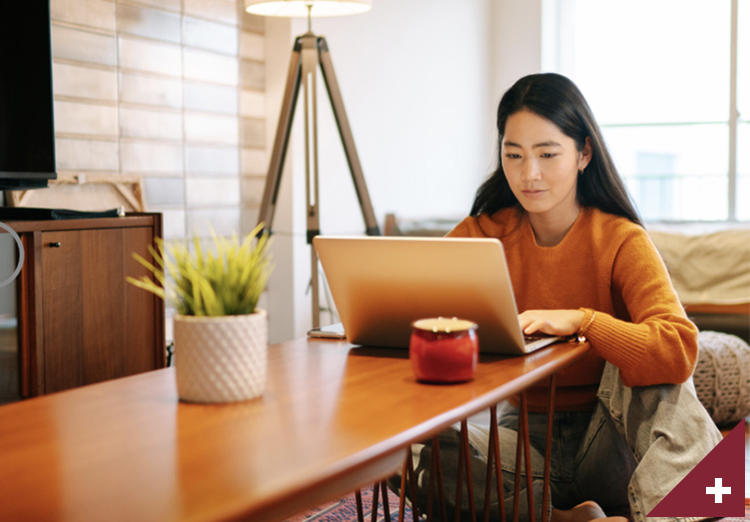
(358, 498)
(464, 465)
(527, 455)
(409, 471)
(548, 450)
(519, 458)
(436, 473)
(386, 505)
(402, 493)
(375, 499)
(467, 462)
(459, 479)
(493, 462)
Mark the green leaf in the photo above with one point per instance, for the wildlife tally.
(227, 279)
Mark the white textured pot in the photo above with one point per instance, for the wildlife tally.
(221, 359)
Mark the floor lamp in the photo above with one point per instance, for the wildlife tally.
(309, 52)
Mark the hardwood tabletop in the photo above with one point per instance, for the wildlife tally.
(333, 418)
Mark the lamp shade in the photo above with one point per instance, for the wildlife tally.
(299, 7)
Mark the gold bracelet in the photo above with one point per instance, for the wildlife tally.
(583, 329)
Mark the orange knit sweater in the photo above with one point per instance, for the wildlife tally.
(607, 266)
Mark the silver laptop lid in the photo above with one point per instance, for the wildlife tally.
(380, 285)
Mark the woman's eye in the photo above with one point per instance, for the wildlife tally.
(548, 155)
(511, 155)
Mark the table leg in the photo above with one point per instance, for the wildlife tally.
(402, 491)
(548, 451)
(358, 498)
(375, 498)
(464, 465)
(386, 504)
(408, 472)
(527, 455)
(378, 486)
(466, 450)
(519, 458)
(459, 477)
(493, 462)
(436, 474)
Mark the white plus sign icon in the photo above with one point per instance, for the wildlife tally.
(718, 491)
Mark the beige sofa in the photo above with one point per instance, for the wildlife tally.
(711, 272)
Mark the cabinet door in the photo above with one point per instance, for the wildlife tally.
(142, 311)
(62, 275)
(96, 325)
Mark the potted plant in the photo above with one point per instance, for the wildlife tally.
(220, 336)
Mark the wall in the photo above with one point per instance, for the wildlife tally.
(518, 34)
(171, 90)
(420, 81)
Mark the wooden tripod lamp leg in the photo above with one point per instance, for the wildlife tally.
(281, 141)
(309, 52)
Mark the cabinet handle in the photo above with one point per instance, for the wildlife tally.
(55, 244)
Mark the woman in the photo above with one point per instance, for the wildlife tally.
(582, 263)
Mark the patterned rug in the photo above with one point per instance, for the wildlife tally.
(345, 510)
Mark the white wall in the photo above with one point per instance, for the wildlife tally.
(420, 80)
(414, 80)
(516, 42)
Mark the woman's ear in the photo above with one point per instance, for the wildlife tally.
(585, 154)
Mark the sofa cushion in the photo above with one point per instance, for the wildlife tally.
(712, 268)
(722, 377)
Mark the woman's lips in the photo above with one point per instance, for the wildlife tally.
(533, 193)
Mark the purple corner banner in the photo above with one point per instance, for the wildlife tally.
(715, 487)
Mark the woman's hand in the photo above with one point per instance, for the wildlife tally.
(552, 322)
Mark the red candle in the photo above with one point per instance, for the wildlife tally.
(443, 350)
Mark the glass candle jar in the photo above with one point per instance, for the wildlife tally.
(443, 350)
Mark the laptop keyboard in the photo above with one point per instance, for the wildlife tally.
(527, 339)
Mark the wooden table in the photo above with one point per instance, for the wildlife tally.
(334, 418)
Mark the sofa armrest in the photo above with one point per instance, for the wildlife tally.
(738, 325)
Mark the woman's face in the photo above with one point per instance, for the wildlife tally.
(541, 164)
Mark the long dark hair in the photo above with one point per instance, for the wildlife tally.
(557, 99)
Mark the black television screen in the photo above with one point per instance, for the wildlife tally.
(27, 131)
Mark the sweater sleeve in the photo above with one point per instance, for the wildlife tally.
(660, 345)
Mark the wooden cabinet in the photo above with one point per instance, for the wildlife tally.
(80, 321)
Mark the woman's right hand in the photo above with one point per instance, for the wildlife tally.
(552, 322)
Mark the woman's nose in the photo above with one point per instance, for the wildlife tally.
(531, 171)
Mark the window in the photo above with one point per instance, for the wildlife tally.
(743, 109)
(663, 79)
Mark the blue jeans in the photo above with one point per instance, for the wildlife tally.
(636, 445)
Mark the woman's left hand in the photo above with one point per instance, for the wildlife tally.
(552, 322)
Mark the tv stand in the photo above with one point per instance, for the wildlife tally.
(79, 321)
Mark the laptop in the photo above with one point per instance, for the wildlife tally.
(380, 285)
